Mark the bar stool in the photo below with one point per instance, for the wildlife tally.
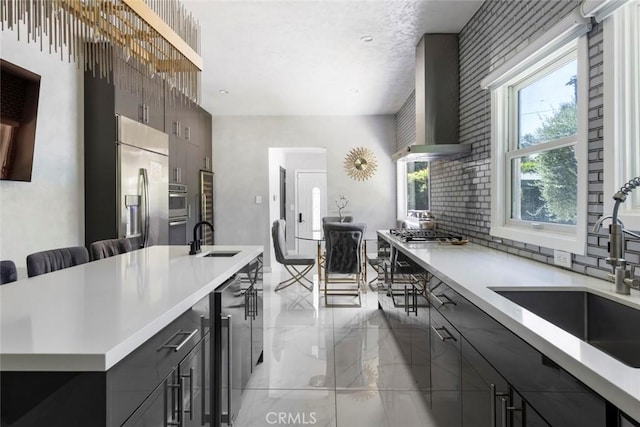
(56, 259)
(8, 272)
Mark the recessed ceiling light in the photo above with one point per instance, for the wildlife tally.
(366, 39)
(224, 92)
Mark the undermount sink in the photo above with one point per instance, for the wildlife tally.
(607, 325)
(221, 254)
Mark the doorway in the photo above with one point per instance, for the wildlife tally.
(284, 163)
(283, 193)
(311, 206)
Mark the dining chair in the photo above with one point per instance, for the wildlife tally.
(8, 272)
(56, 259)
(297, 265)
(326, 219)
(343, 259)
(108, 248)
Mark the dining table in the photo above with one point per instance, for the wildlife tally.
(318, 237)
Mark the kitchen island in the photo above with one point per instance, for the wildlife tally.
(460, 285)
(87, 326)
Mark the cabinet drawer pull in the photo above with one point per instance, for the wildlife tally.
(494, 395)
(175, 403)
(177, 347)
(190, 378)
(443, 329)
(226, 417)
(439, 301)
(505, 412)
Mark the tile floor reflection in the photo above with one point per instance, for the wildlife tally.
(329, 366)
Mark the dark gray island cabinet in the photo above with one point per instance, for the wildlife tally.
(178, 376)
(478, 371)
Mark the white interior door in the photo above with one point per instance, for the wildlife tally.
(311, 206)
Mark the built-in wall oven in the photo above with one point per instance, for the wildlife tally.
(178, 214)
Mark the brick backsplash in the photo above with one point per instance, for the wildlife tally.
(461, 186)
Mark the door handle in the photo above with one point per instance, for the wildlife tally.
(300, 217)
(203, 373)
(226, 417)
(147, 215)
(494, 395)
(173, 388)
(445, 330)
(190, 378)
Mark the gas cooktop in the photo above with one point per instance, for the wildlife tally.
(424, 235)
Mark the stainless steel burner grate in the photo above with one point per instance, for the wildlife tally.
(424, 235)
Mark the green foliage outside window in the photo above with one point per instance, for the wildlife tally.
(418, 186)
(556, 169)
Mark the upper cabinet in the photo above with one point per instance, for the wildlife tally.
(141, 99)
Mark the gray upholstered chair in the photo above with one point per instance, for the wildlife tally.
(343, 257)
(297, 265)
(326, 219)
(108, 248)
(56, 259)
(8, 272)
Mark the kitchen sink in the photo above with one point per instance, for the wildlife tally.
(607, 325)
(221, 254)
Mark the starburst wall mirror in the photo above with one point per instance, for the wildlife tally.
(360, 163)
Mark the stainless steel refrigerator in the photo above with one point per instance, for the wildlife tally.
(126, 178)
(143, 182)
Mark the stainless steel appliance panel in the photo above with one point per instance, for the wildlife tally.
(146, 174)
(178, 231)
(133, 133)
(178, 201)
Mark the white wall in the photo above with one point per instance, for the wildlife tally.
(47, 212)
(241, 165)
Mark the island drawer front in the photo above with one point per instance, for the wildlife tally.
(134, 378)
(544, 384)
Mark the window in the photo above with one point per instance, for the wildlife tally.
(540, 155)
(539, 148)
(413, 187)
(622, 109)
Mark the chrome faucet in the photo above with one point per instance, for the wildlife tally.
(194, 246)
(624, 279)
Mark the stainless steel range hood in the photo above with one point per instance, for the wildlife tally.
(436, 100)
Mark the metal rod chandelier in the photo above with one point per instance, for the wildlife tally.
(131, 42)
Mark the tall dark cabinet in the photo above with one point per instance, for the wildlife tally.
(190, 132)
(189, 128)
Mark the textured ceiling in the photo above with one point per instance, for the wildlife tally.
(306, 57)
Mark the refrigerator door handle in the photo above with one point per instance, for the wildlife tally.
(147, 218)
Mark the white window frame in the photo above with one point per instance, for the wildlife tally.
(570, 238)
(621, 145)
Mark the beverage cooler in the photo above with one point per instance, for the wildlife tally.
(206, 206)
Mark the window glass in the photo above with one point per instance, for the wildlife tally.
(544, 187)
(417, 186)
(547, 107)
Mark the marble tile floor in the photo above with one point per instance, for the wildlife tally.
(329, 366)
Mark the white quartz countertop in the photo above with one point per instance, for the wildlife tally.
(474, 270)
(89, 317)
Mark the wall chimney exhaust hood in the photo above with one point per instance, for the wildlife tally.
(436, 100)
